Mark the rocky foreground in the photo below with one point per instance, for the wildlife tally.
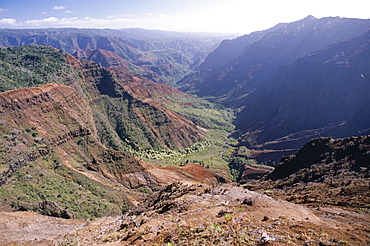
(328, 181)
(196, 214)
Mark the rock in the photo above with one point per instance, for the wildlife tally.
(248, 201)
(265, 218)
(51, 208)
(266, 238)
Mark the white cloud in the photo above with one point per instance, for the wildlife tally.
(239, 16)
(8, 22)
(164, 22)
(90, 22)
(164, 16)
(41, 22)
(120, 16)
(66, 11)
(59, 7)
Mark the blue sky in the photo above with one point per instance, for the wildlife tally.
(231, 16)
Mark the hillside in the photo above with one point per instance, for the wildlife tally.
(36, 65)
(45, 132)
(324, 172)
(50, 152)
(86, 128)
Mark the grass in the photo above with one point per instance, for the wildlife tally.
(236, 230)
(47, 179)
(204, 113)
(208, 154)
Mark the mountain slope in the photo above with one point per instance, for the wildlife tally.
(324, 172)
(53, 162)
(117, 113)
(47, 133)
(325, 93)
(76, 129)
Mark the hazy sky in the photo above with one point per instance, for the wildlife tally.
(238, 16)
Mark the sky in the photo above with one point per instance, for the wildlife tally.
(223, 16)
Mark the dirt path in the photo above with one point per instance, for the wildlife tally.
(102, 180)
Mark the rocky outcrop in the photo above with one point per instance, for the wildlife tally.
(325, 171)
(325, 158)
(46, 207)
(170, 128)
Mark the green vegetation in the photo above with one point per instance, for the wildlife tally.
(237, 164)
(204, 113)
(118, 124)
(207, 153)
(32, 65)
(47, 180)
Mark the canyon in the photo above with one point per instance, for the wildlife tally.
(141, 137)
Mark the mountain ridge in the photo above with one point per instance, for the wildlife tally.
(324, 172)
(276, 46)
(138, 46)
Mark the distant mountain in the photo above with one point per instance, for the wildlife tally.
(232, 48)
(161, 54)
(238, 66)
(326, 93)
(292, 82)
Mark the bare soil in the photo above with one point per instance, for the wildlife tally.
(196, 214)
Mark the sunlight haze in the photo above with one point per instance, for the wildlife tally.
(232, 16)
